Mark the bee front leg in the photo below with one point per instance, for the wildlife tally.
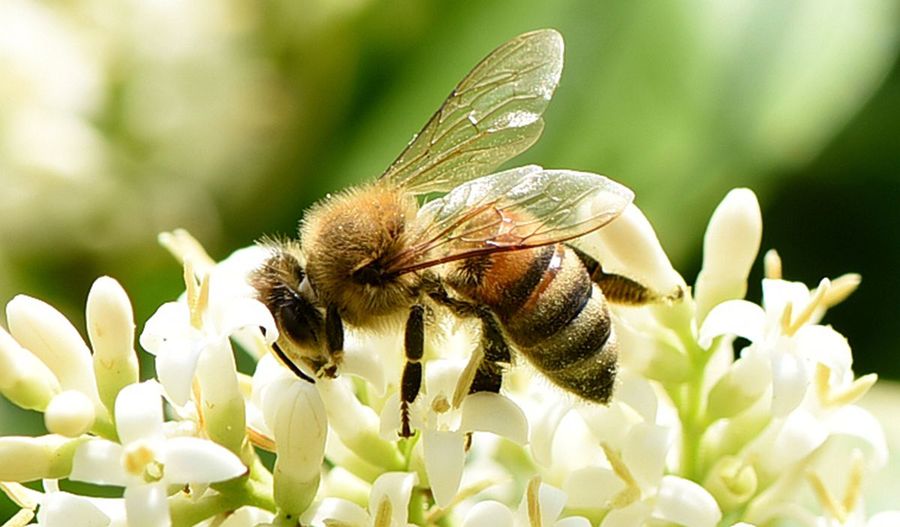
(414, 349)
(334, 341)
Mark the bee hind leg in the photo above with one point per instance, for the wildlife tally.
(620, 289)
(411, 382)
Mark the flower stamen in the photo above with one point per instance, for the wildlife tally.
(632, 491)
(185, 247)
(814, 302)
(841, 287)
(383, 514)
(772, 265)
(830, 397)
(533, 502)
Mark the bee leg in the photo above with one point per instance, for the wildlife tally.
(334, 341)
(620, 289)
(414, 349)
(489, 375)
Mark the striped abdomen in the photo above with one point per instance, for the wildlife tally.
(550, 311)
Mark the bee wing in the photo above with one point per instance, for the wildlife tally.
(492, 115)
(517, 209)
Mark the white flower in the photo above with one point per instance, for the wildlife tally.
(179, 332)
(63, 509)
(388, 505)
(541, 505)
(145, 461)
(785, 335)
(444, 427)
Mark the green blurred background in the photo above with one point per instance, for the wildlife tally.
(122, 119)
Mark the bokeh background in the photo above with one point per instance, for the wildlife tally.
(121, 119)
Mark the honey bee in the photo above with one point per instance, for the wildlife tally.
(492, 247)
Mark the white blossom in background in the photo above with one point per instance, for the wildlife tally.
(694, 435)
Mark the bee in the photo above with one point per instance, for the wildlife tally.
(493, 246)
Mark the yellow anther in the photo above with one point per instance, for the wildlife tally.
(828, 396)
(772, 264)
(841, 287)
(532, 497)
(137, 458)
(632, 491)
(814, 302)
(383, 513)
(184, 247)
(830, 505)
(440, 404)
(786, 318)
(466, 377)
(854, 481)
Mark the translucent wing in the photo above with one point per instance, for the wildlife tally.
(492, 115)
(517, 209)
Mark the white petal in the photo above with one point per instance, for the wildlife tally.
(636, 392)
(544, 430)
(492, 412)
(854, 421)
(644, 452)
(684, 502)
(44, 331)
(170, 322)
(444, 458)
(336, 509)
(60, 509)
(573, 521)
(488, 512)
(245, 313)
(139, 412)
(247, 517)
(790, 381)
(778, 293)
(146, 506)
(733, 317)
(885, 519)
(824, 344)
(799, 436)
(630, 516)
(730, 246)
(592, 487)
(176, 364)
(552, 501)
(99, 461)
(195, 460)
(397, 487)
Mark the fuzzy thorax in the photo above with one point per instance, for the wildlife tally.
(348, 239)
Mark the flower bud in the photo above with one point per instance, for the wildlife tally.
(32, 458)
(295, 414)
(69, 414)
(24, 379)
(730, 246)
(732, 482)
(51, 337)
(110, 325)
(685, 502)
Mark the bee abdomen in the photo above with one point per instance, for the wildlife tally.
(580, 357)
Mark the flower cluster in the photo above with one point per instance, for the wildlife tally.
(697, 434)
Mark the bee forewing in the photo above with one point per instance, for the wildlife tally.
(491, 116)
(515, 209)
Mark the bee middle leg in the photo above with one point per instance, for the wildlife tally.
(414, 349)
